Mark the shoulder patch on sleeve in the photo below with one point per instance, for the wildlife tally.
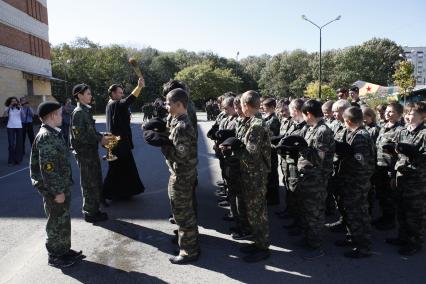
(48, 167)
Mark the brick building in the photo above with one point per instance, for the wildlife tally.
(25, 66)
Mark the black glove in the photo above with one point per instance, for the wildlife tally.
(222, 135)
(156, 139)
(343, 148)
(234, 143)
(212, 132)
(389, 147)
(276, 139)
(408, 150)
(156, 124)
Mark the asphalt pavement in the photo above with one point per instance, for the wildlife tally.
(134, 245)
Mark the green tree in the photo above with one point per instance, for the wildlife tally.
(404, 78)
(327, 92)
(205, 81)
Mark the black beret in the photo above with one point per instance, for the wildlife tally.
(233, 142)
(47, 107)
(155, 124)
(224, 134)
(276, 139)
(212, 132)
(409, 150)
(156, 139)
(343, 148)
(294, 141)
(389, 147)
(79, 88)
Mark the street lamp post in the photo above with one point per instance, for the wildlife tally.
(236, 69)
(320, 46)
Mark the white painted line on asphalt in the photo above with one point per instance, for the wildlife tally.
(15, 172)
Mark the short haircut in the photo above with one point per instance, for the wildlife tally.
(237, 100)
(251, 98)
(419, 107)
(354, 89)
(283, 102)
(368, 111)
(174, 84)
(341, 105)
(354, 115)
(270, 102)
(178, 95)
(341, 90)
(228, 102)
(396, 107)
(297, 104)
(313, 107)
(328, 105)
(114, 88)
(381, 107)
(229, 94)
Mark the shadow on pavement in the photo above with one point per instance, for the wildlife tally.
(92, 273)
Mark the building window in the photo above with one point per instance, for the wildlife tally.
(30, 88)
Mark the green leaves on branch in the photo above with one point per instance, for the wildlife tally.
(404, 78)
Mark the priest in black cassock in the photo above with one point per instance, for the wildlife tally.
(122, 180)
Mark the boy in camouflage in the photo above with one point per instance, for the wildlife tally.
(314, 167)
(181, 157)
(411, 180)
(356, 168)
(50, 172)
(252, 145)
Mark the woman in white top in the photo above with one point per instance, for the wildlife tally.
(14, 130)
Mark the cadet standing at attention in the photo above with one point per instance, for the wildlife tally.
(252, 146)
(50, 172)
(84, 142)
(181, 157)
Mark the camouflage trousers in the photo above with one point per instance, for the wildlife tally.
(385, 193)
(291, 182)
(58, 227)
(411, 207)
(235, 193)
(181, 194)
(312, 196)
(354, 199)
(90, 180)
(254, 196)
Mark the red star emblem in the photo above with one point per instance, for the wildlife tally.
(368, 88)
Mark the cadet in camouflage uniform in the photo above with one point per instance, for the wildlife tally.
(370, 123)
(255, 164)
(84, 142)
(314, 167)
(232, 172)
(356, 168)
(50, 172)
(327, 110)
(181, 157)
(297, 126)
(411, 181)
(386, 159)
(273, 124)
(334, 186)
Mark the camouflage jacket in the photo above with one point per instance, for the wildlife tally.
(285, 124)
(192, 114)
(330, 122)
(317, 158)
(361, 162)
(386, 135)
(83, 133)
(181, 157)
(340, 133)
(50, 168)
(230, 122)
(417, 164)
(295, 128)
(273, 124)
(374, 131)
(256, 155)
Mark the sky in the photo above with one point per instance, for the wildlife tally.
(228, 26)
